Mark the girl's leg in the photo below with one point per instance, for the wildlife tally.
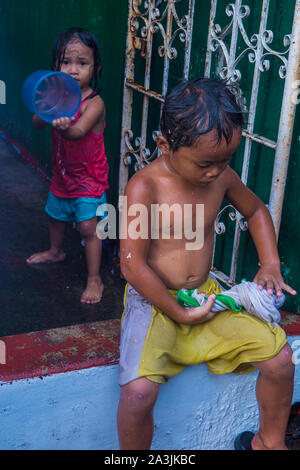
(274, 392)
(55, 253)
(135, 414)
(93, 251)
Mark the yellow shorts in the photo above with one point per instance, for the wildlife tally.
(154, 346)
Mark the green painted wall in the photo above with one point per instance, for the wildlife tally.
(27, 32)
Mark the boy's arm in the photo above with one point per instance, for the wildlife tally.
(134, 265)
(93, 114)
(261, 227)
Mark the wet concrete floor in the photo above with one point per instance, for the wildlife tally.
(40, 297)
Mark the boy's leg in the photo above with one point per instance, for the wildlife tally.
(135, 414)
(93, 250)
(55, 253)
(274, 395)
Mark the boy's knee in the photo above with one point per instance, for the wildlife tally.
(280, 366)
(284, 361)
(140, 395)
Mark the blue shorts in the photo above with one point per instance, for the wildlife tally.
(75, 209)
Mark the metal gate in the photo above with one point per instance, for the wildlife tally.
(164, 29)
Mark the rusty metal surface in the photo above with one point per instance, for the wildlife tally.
(60, 350)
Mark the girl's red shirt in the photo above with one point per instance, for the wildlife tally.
(79, 168)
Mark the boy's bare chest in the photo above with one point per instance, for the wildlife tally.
(189, 203)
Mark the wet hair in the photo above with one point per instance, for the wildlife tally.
(196, 107)
(87, 38)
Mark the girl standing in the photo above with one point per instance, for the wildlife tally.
(79, 163)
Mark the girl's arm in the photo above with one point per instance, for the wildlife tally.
(92, 115)
(38, 123)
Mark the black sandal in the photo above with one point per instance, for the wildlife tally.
(243, 441)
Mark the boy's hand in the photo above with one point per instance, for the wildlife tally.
(197, 315)
(63, 123)
(269, 276)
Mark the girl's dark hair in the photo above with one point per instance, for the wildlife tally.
(196, 107)
(89, 39)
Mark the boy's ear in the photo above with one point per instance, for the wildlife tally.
(162, 144)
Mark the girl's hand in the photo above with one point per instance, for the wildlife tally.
(196, 315)
(269, 276)
(63, 123)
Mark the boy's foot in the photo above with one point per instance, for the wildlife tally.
(249, 441)
(93, 292)
(46, 257)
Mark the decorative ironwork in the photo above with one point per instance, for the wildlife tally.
(234, 217)
(257, 48)
(146, 19)
(142, 155)
(233, 44)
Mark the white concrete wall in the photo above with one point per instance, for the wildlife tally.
(77, 410)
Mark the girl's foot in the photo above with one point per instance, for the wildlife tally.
(46, 257)
(93, 292)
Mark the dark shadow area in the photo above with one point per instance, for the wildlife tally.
(39, 297)
(293, 428)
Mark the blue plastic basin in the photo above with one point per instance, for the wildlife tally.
(51, 95)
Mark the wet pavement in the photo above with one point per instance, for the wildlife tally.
(40, 297)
